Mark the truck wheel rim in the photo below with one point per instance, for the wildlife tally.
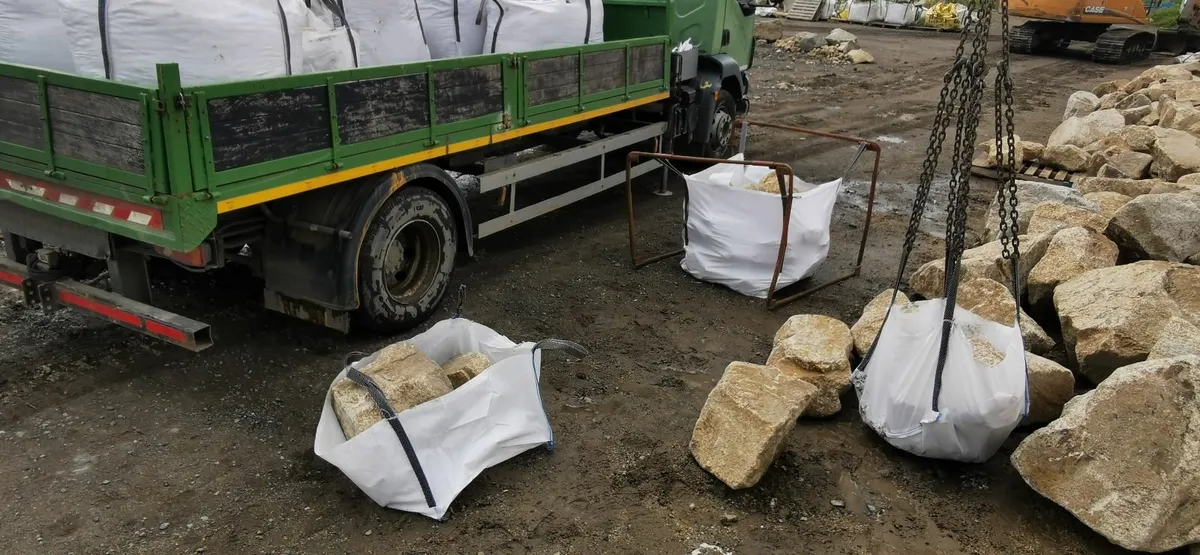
(722, 129)
(412, 261)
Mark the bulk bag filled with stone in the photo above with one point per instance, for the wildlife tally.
(733, 230)
(524, 25)
(961, 410)
(32, 33)
(386, 32)
(419, 454)
(454, 28)
(214, 41)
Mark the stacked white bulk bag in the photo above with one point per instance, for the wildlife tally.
(213, 41)
(33, 34)
(898, 13)
(524, 25)
(386, 32)
(454, 28)
(868, 11)
(329, 44)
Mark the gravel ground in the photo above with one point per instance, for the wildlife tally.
(113, 443)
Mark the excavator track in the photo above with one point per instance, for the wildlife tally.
(1122, 46)
(1022, 39)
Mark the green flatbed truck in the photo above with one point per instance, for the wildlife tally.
(335, 187)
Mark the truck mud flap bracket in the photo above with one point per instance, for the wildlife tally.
(52, 295)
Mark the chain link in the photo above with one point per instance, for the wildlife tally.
(960, 99)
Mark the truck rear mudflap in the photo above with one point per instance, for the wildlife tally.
(52, 294)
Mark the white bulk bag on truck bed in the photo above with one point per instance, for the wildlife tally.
(732, 233)
(524, 25)
(454, 28)
(214, 41)
(386, 32)
(329, 44)
(32, 33)
(420, 459)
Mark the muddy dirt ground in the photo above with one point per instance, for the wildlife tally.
(113, 443)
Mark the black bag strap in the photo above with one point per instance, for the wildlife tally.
(338, 7)
(389, 415)
(102, 17)
(499, 20)
(417, 10)
(457, 32)
(587, 32)
(287, 37)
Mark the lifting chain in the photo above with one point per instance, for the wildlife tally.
(960, 102)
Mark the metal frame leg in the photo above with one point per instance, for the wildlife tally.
(783, 174)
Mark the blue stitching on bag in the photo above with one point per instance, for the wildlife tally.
(537, 383)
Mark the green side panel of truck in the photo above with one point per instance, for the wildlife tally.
(178, 166)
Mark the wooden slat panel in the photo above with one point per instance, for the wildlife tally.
(18, 89)
(552, 79)
(95, 105)
(647, 63)
(22, 135)
(267, 126)
(375, 108)
(82, 125)
(98, 152)
(24, 113)
(462, 94)
(265, 148)
(603, 71)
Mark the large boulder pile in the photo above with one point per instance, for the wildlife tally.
(1125, 457)
(839, 47)
(1145, 129)
(1112, 317)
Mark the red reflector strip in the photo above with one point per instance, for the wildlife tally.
(168, 332)
(96, 205)
(11, 278)
(107, 311)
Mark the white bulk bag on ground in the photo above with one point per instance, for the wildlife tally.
(213, 41)
(454, 28)
(488, 420)
(732, 234)
(866, 12)
(524, 25)
(897, 13)
(387, 32)
(979, 403)
(32, 33)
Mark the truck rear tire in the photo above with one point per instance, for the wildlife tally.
(406, 260)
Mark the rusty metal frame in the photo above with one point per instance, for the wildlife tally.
(782, 171)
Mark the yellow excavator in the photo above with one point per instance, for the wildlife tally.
(1119, 28)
